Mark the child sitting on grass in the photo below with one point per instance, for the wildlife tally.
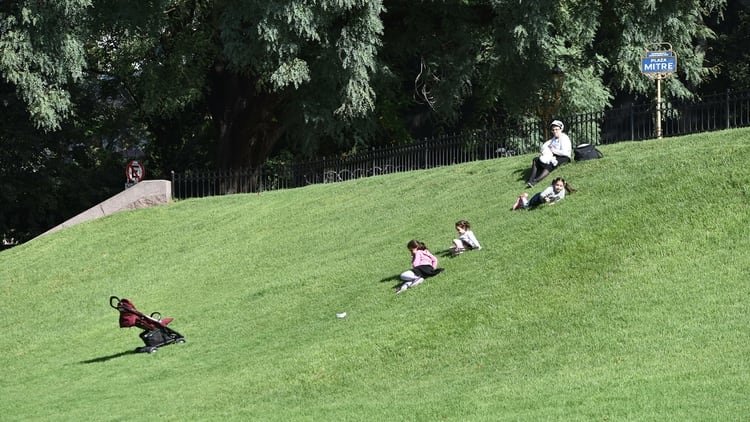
(423, 265)
(466, 238)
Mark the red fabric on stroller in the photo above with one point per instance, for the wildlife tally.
(131, 317)
(155, 331)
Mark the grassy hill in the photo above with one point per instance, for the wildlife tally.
(629, 300)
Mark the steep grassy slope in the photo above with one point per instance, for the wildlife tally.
(626, 301)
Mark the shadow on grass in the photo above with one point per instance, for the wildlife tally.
(110, 357)
(391, 278)
(445, 253)
(523, 174)
(395, 278)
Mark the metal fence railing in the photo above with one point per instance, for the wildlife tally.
(630, 123)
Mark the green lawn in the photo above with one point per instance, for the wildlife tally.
(629, 300)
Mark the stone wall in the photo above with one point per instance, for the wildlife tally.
(148, 193)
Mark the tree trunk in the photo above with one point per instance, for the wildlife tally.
(246, 125)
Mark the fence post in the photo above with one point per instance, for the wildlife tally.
(727, 97)
(486, 136)
(172, 193)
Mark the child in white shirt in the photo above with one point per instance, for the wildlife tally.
(466, 238)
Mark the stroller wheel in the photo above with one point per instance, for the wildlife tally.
(180, 340)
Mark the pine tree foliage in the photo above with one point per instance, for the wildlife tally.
(41, 53)
(288, 44)
(302, 72)
(500, 53)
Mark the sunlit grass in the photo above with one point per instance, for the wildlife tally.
(626, 301)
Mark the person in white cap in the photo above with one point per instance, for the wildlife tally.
(554, 153)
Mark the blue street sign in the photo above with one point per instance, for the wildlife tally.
(659, 64)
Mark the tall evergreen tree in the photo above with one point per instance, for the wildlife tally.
(498, 56)
(259, 72)
(42, 53)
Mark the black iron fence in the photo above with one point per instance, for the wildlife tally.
(630, 123)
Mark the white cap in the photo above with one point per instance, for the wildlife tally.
(558, 124)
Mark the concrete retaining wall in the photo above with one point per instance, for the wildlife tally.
(147, 193)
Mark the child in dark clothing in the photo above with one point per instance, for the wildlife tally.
(550, 195)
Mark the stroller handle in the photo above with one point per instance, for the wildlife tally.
(114, 301)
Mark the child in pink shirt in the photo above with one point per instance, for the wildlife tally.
(423, 263)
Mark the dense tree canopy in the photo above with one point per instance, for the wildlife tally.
(263, 70)
(254, 69)
(41, 54)
(226, 83)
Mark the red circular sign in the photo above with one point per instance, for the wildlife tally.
(135, 172)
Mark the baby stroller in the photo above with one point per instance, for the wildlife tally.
(155, 331)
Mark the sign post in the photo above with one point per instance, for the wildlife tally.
(659, 64)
